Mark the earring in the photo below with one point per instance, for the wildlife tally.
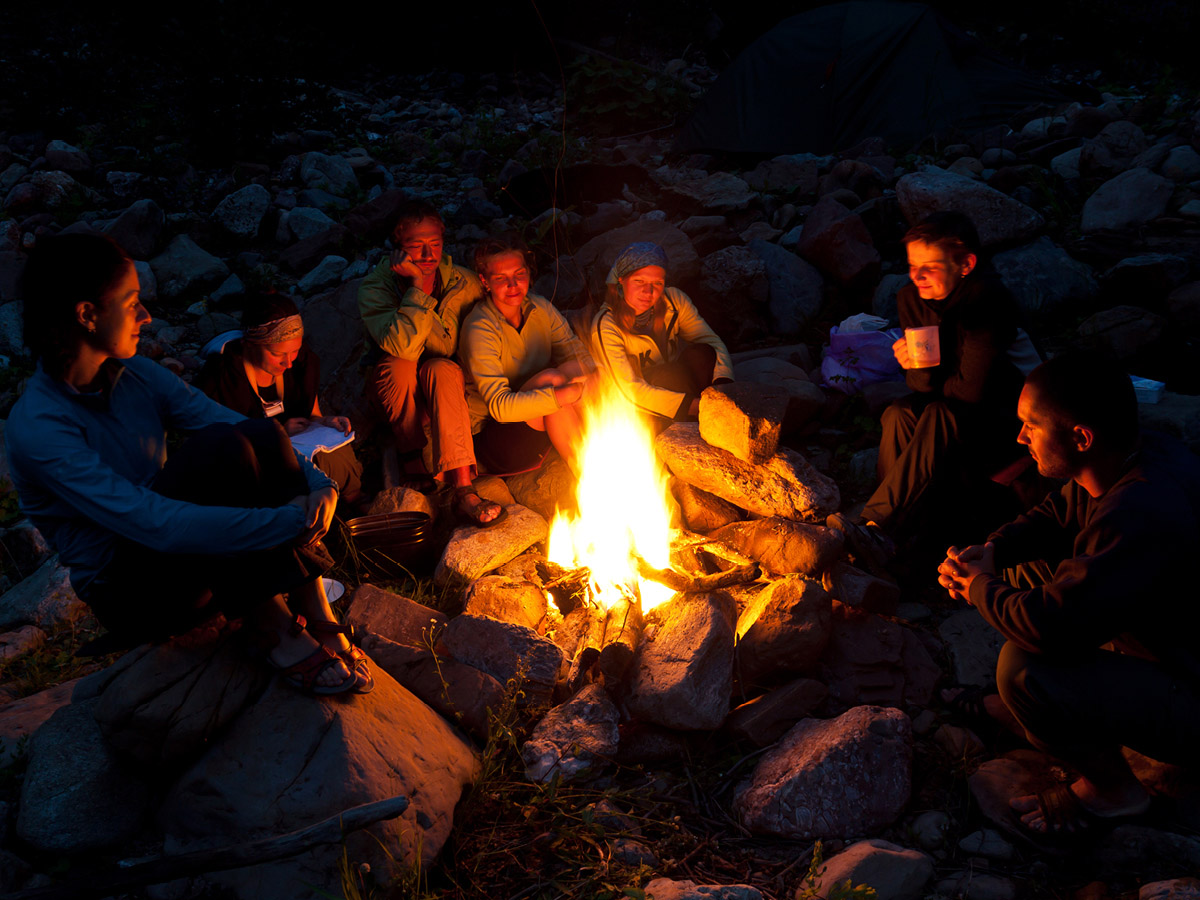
(91, 327)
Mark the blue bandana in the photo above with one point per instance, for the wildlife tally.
(634, 257)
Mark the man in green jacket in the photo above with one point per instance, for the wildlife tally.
(412, 304)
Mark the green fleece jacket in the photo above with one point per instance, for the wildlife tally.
(628, 357)
(499, 359)
(408, 323)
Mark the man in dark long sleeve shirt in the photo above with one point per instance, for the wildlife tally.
(961, 414)
(1120, 539)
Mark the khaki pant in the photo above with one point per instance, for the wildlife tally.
(430, 391)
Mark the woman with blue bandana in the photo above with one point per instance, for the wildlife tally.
(652, 341)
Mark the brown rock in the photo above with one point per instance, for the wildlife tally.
(1123, 330)
(784, 628)
(832, 778)
(703, 512)
(836, 241)
(392, 616)
(573, 739)
(786, 485)
(544, 489)
(744, 419)
(784, 547)
(507, 600)
(474, 551)
(21, 718)
(860, 589)
(303, 255)
(402, 499)
(506, 652)
(766, 719)
(871, 659)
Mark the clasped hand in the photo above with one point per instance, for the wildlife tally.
(318, 507)
(960, 567)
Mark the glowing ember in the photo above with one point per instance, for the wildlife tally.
(622, 506)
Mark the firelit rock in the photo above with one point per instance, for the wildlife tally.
(872, 659)
(20, 719)
(574, 738)
(1132, 198)
(545, 488)
(974, 647)
(163, 702)
(785, 485)
(784, 628)
(294, 760)
(402, 499)
(998, 217)
(831, 777)
(460, 693)
(836, 241)
(744, 419)
(507, 600)
(393, 616)
(668, 889)
(895, 873)
(703, 512)
(472, 551)
(21, 642)
(684, 668)
(784, 547)
(505, 651)
(77, 795)
(860, 589)
(766, 719)
(44, 598)
(719, 192)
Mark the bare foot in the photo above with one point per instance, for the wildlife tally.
(293, 648)
(471, 505)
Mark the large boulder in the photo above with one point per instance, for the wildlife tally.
(718, 192)
(894, 872)
(743, 418)
(736, 275)
(794, 174)
(782, 546)
(795, 289)
(573, 739)
(330, 173)
(547, 488)
(77, 795)
(20, 719)
(506, 652)
(186, 269)
(785, 485)
(703, 512)
(784, 628)
(139, 229)
(684, 666)
(393, 616)
(999, 218)
(507, 600)
(836, 241)
(974, 647)
(1042, 277)
(473, 551)
(870, 659)
(241, 213)
(45, 598)
(1132, 198)
(832, 777)
(293, 760)
(1123, 331)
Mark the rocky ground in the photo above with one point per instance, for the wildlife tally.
(1091, 215)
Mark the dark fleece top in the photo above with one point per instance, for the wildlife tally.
(977, 324)
(1125, 564)
(224, 379)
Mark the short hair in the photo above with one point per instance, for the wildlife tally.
(412, 212)
(1086, 387)
(949, 229)
(509, 242)
(63, 271)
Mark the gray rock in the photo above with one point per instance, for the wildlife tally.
(241, 213)
(294, 760)
(795, 289)
(974, 647)
(998, 217)
(184, 269)
(995, 157)
(1043, 277)
(720, 192)
(505, 651)
(633, 853)
(861, 590)
(124, 184)
(703, 512)
(1177, 414)
(783, 546)
(1066, 165)
(831, 777)
(228, 289)
(147, 283)
(987, 843)
(49, 190)
(971, 885)
(324, 274)
(698, 225)
(1123, 331)
(562, 282)
(930, 828)
(305, 222)
(836, 241)
(20, 719)
(357, 269)
(896, 873)
(45, 598)
(574, 739)
(736, 274)
(77, 796)
(786, 485)
(393, 616)
(316, 198)
(20, 642)
(1183, 305)
(743, 418)
(668, 889)
(333, 329)
(870, 659)
(793, 174)
(883, 303)
(1131, 198)
(139, 229)
(12, 328)
(1181, 164)
(1147, 276)
(11, 176)
(331, 173)
(507, 600)
(545, 488)
(67, 158)
(161, 703)
(684, 666)
(784, 628)
(767, 718)
(472, 552)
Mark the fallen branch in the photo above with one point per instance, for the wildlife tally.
(158, 869)
(698, 584)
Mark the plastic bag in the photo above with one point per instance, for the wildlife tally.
(855, 359)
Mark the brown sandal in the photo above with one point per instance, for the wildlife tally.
(303, 675)
(355, 659)
(471, 516)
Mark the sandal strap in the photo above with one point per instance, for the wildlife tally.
(350, 631)
(304, 674)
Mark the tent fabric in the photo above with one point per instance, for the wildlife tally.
(825, 79)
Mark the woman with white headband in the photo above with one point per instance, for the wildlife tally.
(652, 341)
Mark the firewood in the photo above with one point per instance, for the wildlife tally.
(677, 581)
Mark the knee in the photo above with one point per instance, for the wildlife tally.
(442, 372)
(546, 378)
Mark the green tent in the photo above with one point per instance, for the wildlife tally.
(825, 79)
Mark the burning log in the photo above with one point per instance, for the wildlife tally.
(607, 645)
(567, 587)
(698, 584)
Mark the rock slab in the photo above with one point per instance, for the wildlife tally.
(474, 551)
